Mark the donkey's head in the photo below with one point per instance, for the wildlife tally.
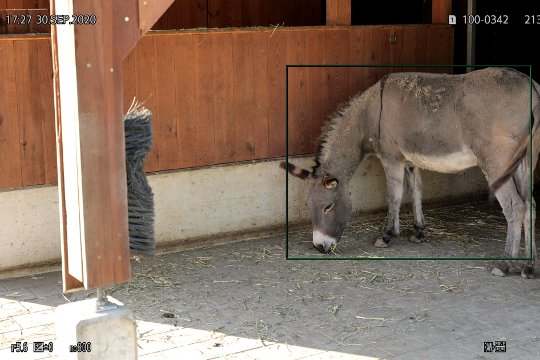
(329, 205)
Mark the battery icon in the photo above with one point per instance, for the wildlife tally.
(452, 19)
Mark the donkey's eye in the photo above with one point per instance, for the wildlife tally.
(327, 208)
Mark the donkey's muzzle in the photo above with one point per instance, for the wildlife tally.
(322, 242)
(321, 248)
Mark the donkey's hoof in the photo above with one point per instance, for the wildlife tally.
(527, 273)
(498, 272)
(380, 243)
(415, 240)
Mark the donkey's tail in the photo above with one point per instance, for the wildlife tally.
(522, 151)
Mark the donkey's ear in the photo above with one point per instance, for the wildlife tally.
(295, 170)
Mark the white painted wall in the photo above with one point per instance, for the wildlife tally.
(29, 226)
(204, 203)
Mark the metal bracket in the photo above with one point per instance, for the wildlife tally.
(102, 302)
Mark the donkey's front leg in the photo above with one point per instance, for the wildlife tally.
(394, 171)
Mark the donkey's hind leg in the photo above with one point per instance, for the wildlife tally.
(528, 227)
(513, 208)
(414, 182)
(523, 183)
(394, 171)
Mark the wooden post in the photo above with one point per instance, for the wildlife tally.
(87, 63)
(338, 12)
(440, 9)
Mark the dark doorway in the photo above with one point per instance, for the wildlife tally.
(500, 44)
(390, 12)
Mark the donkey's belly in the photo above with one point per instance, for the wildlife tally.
(444, 163)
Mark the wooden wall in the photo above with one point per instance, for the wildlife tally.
(315, 93)
(440, 11)
(23, 7)
(189, 14)
(237, 13)
(220, 96)
(27, 135)
(217, 96)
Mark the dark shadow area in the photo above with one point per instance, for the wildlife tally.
(390, 12)
(499, 44)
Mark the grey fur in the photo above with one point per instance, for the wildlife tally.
(440, 122)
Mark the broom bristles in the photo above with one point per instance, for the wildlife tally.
(138, 137)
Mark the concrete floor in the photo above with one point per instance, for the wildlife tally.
(245, 301)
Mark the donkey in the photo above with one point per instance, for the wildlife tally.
(438, 122)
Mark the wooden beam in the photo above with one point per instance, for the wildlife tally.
(150, 11)
(440, 9)
(87, 63)
(338, 12)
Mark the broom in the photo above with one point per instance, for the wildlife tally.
(138, 135)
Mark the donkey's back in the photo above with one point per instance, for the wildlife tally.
(448, 123)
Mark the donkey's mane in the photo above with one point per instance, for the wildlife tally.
(344, 110)
(327, 131)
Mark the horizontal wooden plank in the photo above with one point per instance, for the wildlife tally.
(17, 21)
(36, 14)
(190, 14)
(184, 15)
